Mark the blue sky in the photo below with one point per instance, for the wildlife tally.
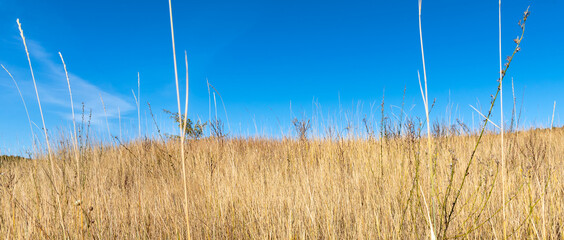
(271, 60)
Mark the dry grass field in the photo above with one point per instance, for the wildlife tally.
(412, 180)
(288, 189)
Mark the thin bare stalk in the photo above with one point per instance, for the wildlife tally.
(466, 171)
(426, 103)
(513, 111)
(552, 121)
(209, 102)
(485, 118)
(139, 147)
(75, 143)
(25, 106)
(138, 103)
(106, 116)
(182, 130)
(186, 100)
(501, 128)
(222, 103)
(215, 104)
(50, 156)
(432, 233)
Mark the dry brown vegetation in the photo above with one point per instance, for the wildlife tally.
(308, 189)
(449, 183)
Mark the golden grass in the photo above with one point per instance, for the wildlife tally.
(253, 188)
(337, 188)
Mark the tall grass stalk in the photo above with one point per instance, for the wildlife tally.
(186, 100)
(222, 103)
(49, 152)
(485, 118)
(25, 105)
(216, 121)
(502, 124)
(137, 103)
(382, 126)
(75, 146)
(432, 233)
(426, 103)
(209, 103)
(553, 110)
(138, 100)
(513, 111)
(106, 117)
(182, 130)
(478, 141)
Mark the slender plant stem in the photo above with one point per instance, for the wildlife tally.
(426, 103)
(52, 164)
(504, 71)
(75, 143)
(25, 106)
(182, 130)
(186, 100)
(552, 121)
(106, 116)
(501, 126)
(139, 103)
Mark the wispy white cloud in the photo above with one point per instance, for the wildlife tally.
(53, 89)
